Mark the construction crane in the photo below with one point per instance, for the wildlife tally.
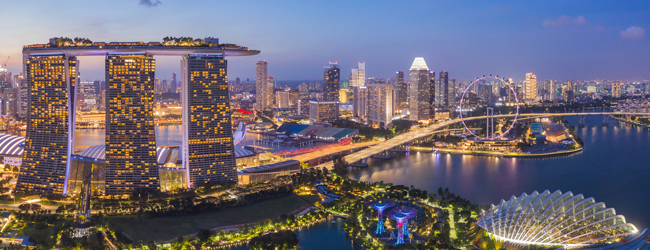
(4, 65)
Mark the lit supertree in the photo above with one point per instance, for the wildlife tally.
(400, 218)
(380, 207)
(402, 215)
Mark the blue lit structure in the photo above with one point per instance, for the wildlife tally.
(400, 218)
(402, 214)
(380, 207)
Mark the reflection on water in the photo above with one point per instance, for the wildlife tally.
(325, 235)
(613, 168)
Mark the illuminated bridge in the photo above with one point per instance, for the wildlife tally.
(424, 132)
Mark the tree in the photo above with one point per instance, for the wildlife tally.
(152, 245)
(24, 207)
(340, 166)
(203, 234)
(325, 171)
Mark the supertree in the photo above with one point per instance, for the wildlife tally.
(380, 207)
(402, 215)
(400, 218)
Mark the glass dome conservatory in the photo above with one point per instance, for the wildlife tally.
(555, 219)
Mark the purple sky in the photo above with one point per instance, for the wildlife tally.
(555, 39)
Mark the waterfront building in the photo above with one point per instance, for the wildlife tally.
(331, 78)
(560, 220)
(50, 123)
(207, 134)
(419, 91)
(401, 93)
(380, 105)
(360, 102)
(320, 111)
(130, 147)
(130, 137)
(260, 86)
(530, 88)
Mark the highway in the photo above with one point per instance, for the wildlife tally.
(423, 132)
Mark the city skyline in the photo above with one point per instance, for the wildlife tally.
(604, 41)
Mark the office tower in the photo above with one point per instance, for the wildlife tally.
(530, 87)
(131, 160)
(380, 104)
(361, 80)
(49, 140)
(442, 90)
(260, 86)
(174, 84)
(208, 147)
(331, 88)
(451, 95)
(270, 91)
(360, 102)
(303, 91)
(419, 91)
(354, 77)
(10, 102)
(282, 99)
(432, 94)
(401, 92)
(320, 111)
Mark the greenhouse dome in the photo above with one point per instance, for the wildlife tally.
(555, 219)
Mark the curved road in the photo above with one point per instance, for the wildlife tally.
(419, 133)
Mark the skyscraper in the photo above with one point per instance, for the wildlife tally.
(530, 87)
(380, 104)
(131, 160)
(49, 141)
(331, 78)
(354, 76)
(432, 94)
(260, 86)
(361, 77)
(442, 90)
(207, 131)
(401, 92)
(419, 91)
(303, 91)
(360, 101)
(451, 95)
(270, 91)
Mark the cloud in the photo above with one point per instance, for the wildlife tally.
(150, 3)
(633, 33)
(564, 21)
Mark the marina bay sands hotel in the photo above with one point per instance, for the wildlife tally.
(131, 158)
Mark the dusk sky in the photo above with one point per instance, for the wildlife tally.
(554, 39)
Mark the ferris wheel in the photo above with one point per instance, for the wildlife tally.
(490, 110)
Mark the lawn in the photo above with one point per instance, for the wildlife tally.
(40, 235)
(167, 228)
(311, 198)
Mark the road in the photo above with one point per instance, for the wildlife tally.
(423, 132)
(333, 150)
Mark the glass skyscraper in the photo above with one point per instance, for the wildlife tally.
(331, 78)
